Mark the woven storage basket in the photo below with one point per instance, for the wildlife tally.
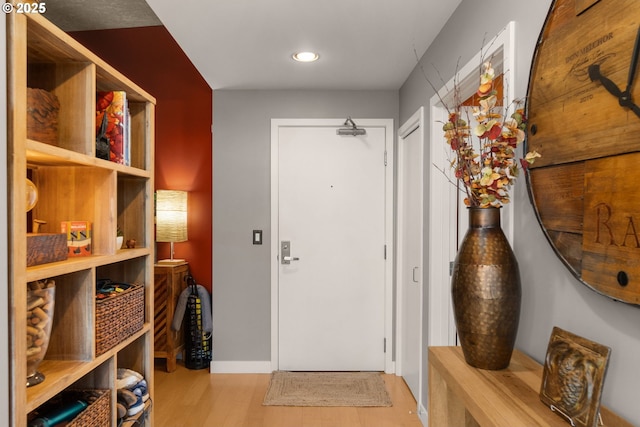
(97, 414)
(119, 317)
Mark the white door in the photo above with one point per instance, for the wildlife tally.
(409, 271)
(332, 221)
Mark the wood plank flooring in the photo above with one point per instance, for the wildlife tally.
(188, 398)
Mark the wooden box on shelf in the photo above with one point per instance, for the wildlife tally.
(43, 248)
(169, 283)
(42, 115)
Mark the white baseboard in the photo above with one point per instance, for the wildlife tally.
(391, 368)
(240, 367)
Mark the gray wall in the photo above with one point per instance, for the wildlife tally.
(241, 203)
(241, 288)
(551, 295)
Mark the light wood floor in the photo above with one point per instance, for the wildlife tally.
(188, 398)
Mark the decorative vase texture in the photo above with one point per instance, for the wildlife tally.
(486, 291)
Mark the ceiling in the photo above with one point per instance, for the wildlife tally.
(247, 44)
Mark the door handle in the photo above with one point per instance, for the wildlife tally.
(414, 275)
(285, 252)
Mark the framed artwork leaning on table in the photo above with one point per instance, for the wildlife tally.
(573, 376)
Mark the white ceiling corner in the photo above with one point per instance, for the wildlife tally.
(247, 44)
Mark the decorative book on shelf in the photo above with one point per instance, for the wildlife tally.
(78, 237)
(113, 128)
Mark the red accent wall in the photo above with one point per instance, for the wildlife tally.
(151, 58)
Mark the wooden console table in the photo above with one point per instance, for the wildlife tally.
(169, 283)
(463, 396)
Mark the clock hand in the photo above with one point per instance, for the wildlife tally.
(635, 109)
(625, 97)
(595, 75)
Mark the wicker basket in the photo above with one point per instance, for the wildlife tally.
(119, 317)
(97, 414)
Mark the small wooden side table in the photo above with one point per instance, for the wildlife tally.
(463, 396)
(169, 283)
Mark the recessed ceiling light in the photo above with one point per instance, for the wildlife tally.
(305, 56)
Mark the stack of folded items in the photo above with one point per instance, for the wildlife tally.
(132, 392)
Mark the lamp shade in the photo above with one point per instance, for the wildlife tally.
(171, 216)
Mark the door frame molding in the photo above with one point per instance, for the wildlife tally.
(444, 199)
(387, 124)
(414, 124)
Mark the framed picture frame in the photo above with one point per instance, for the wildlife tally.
(573, 376)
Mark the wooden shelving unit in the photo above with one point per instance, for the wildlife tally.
(75, 185)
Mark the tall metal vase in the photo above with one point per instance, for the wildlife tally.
(486, 291)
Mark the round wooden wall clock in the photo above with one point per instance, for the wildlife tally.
(584, 119)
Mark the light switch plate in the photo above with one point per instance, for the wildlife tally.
(257, 237)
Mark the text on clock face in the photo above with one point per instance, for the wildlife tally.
(589, 47)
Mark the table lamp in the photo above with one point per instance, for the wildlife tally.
(171, 219)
